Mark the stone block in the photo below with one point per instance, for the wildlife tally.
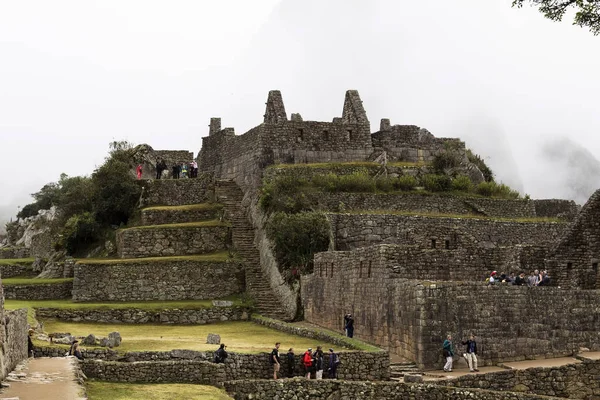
(213, 338)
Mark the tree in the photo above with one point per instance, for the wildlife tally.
(587, 11)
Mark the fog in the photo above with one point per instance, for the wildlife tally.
(519, 89)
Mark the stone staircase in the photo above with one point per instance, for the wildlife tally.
(257, 284)
(399, 369)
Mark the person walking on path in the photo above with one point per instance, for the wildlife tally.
(318, 356)
(334, 361)
(471, 353)
(291, 359)
(448, 353)
(275, 360)
(349, 325)
(307, 361)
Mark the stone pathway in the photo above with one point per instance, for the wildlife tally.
(543, 363)
(43, 379)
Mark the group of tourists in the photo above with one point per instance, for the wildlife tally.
(470, 353)
(179, 170)
(535, 278)
(312, 362)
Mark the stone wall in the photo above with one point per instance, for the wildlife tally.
(179, 215)
(39, 291)
(143, 316)
(411, 317)
(573, 381)
(351, 231)
(178, 279)
(574, 259)
(197, 372)
(177, 192)
(15, 269)
(554, 208)
(326, 390)
(172, 240)
(14, 252)
(172, 157)
(13, 339)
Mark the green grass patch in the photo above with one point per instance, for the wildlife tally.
(240, 337)
(187, 207)
(97, 390)
(200, 224)
(221, 256)
(33, 281)
(17, 261)
(456, 216)
(145, 305)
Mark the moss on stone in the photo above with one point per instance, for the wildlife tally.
(17, 261)
(200, 224)
(221, 256)
(33, 281)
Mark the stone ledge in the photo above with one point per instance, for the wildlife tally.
(180, 214)
(44, 291)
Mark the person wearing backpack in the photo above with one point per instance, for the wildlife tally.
(221, 355)
(448, 353)
(334, 361)
(291, 359)
(275, 360)
(307, 361)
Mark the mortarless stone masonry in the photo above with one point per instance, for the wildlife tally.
(178, 192)
(182, 214)
(37, 291)
(166, 279)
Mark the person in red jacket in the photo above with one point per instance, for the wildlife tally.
(307, 361)
(139, 171)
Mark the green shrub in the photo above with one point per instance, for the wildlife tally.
(385, 184)
(286, 194)
(296, 238)
(485, 189)
(328, 183)
(492, 189)
(406, 183)
(462, 183)
(79, 232)
(473, 158)
(444, 161)
(359, 181)
(437, 183)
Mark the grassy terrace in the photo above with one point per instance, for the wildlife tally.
(33, 281)
(240, 337)
(129, 391)
(457, 216)
(211, 223)
(188, 207)
(16, 261)
(221, 256)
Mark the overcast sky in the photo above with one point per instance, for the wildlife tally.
(75, 75)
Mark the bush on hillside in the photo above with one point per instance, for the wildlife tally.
(437, 183)
(297, 237)
(462, 183)
(79, 232)
(473, 158)
(445, 161)
(492, 189)
(406, 182)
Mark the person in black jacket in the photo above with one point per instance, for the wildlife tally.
(221, 354)
(318, 357)
(291, 360)
(349, 325)
(471, 353)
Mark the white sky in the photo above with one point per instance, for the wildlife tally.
(75, 75)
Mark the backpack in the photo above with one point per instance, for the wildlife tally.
(218, 358)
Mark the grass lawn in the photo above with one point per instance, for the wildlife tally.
(33, 281)
(212, 257)
(145, 305)
(129, 391)
(16, 261)
(458, 216)
(200, 224)
(240, 337)
(187, 207)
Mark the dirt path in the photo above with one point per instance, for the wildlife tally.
(43, 379)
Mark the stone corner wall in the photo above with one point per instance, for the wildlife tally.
(14, 337)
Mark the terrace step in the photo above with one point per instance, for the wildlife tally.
(181, 214)
(257, 283)
(398, 370)
(190, 238)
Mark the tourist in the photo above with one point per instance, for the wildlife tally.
(520, 280)
(448, 353)
(545, 279)
(160, 167)
(74, 351)
(221, 354)
(291, 359)
(334, 361)
(349, 325)
(471, 353)
(533, 279)
(194, 169)
(184, 170)
(275, 360)
(30, 346)
(318, 356)
(307, 362)
(176, 171)
(138, 171)
(492, 279)
(511, 278)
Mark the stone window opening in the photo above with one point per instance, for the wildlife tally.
(320, 270)
(332, 269)
(569, 266)
(360, 270)
(595, 267)
(349, 135)
(433, 244)
(447, 245)
(326, 135)
(300, 135)
(369, 271)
